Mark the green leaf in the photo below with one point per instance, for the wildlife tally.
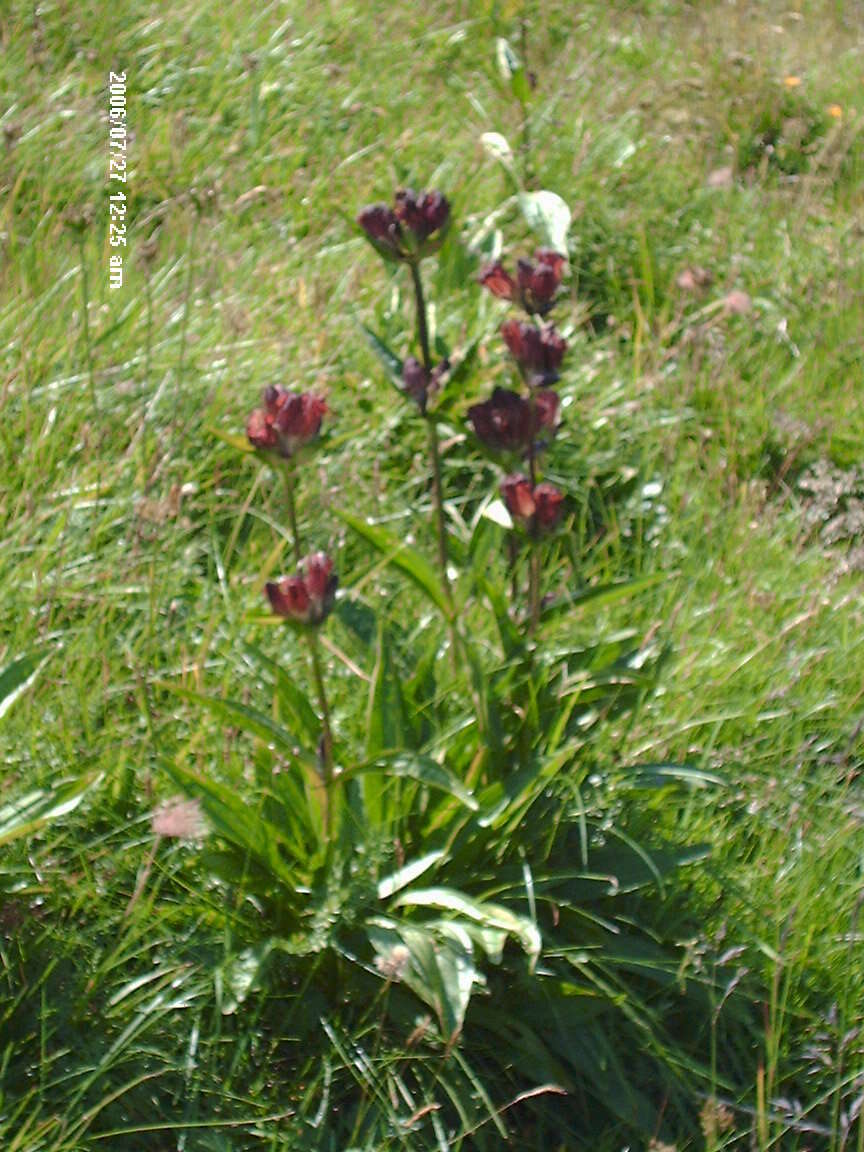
(548, 216)
(668, 775)
(511, 70)
(520, 86)
(493, 916)
(498, 147)
(239, 975)
(30, 812)
(405, 875)
(398, 555)
(453, 392)
(496, 511)
(506, 59)
(235, 820)
(17, 677)
(601, 595)
(235, 440)
(511, 639)
(386, 724)
(293, 702)
(248, 720)
(438, 966)
(390, 362)
(412, 766)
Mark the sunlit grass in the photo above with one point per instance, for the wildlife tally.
(135, 541)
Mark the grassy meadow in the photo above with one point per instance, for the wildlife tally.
(712, 453)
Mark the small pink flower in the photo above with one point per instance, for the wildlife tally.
(307, 597)
(737, 303)
(179, 819)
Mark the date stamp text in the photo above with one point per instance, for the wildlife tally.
(117, 158)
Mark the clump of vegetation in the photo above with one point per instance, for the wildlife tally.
(441, 847)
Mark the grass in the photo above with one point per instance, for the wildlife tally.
(136, 541)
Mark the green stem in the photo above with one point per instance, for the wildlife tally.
(432, 429)
(438, 499)
(292, 510)
(148, 352)
(326, 729)
(422, 326)
(513, 561)
(534, 585)
(534, 555)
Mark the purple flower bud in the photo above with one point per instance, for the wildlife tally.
(413, 228)
(509, 423)
(539, 506)
(382, 229)
(536, 284)
(537, 351)
(423, 213)
(308, 596)
(287, 422)
(419, 384)
(497, 280)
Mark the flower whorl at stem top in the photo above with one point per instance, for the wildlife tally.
(538, 506)
(536, 284)
(508, 422)
(307, 597)
(537, 351)
(286, 422)
(413, 228)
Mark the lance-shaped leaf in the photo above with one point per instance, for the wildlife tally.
(399, 555)
(28, 813)
(413, 766)
(17, 677)
(389, 361)
(248, 720)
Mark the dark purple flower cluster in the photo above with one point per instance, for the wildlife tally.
(509, 422)
(286, 421)
(523, 424)
(412, 228)
(306, 597)
(535, 285)
(527, 502)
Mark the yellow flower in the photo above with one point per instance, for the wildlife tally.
(792, 81)
(836, 111)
